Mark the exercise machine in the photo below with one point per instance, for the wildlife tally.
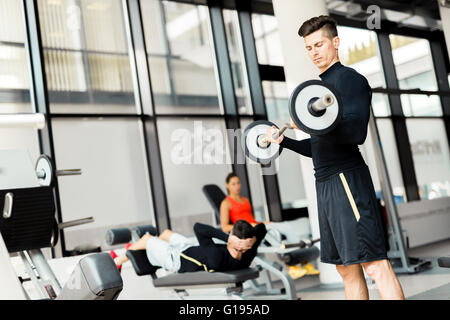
(28, 224)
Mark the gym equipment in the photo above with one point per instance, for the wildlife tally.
(444, 262)
(314, 106)
(397, 254)
(27, 224)
(232, 280)
(291, 256)
(46, 174)
(301, 244)
(255, 142)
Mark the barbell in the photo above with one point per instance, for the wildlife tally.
(315, 108)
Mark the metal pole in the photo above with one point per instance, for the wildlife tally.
(387, 190)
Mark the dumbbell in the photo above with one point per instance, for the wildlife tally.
(46, 174)
(315, 108)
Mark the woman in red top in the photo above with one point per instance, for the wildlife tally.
(236, 207)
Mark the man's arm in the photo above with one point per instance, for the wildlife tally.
(356, 96)
(302, 147)
(259, 232)
(205, 233)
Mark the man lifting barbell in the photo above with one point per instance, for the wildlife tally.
(351, 229)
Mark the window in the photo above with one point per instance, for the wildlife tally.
(86, 56)
(415, 70)
(236, 55)
(194, 153)
(113, 187)
(267, 39)
(431, 157)
(359, 50)
(14, 79)
(14, 73)
(180, 54)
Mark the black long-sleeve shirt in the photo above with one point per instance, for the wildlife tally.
(338, 150)
(216, 256)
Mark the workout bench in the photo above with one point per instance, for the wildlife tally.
(180, 282)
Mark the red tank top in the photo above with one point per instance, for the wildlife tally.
(241, 211)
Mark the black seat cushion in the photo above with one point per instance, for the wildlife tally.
(444, 262)
(140, 262)
(206, 278)
(215, 196)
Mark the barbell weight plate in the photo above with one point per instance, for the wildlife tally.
(250, 143)
(44, 164)
(304, 94)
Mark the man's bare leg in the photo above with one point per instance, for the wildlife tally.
(166, 235)
(354, 282)
(384, 276)
(141, 244)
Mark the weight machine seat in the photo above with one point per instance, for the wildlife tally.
(215, 196)
(444, 262)
(206, 278)
(140, 263)
(143, 267)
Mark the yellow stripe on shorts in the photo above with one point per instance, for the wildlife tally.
(349, 196)
(196, 262)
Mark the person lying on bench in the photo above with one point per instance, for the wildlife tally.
(235, 207)
(176, 253)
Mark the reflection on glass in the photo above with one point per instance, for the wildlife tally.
(237, 61)
(414, 69)
(181, 58)
(86, 56)
(267, 39)
(114, 186)
(14, 74)
(194, 153)
(358, 49)
(431, 157)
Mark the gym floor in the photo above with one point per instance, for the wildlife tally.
(432, 284)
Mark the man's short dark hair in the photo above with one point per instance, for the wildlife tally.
(326, 22)
(242, 229)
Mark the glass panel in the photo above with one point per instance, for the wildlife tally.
(267, 39)
(181, 57)
(421, 105)
(236, 54)
(290, 178)
(359, 50)
(431, 157)
(86, 56)
(415, 70)
(194, 153)
(113, 187)
(386, 131)
(14, 72)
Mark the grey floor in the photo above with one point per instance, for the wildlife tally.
(432, 284)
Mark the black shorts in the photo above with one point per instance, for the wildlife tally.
(350, 221)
